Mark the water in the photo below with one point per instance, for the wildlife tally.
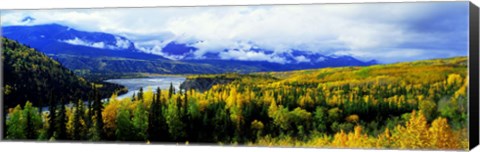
(134, 84)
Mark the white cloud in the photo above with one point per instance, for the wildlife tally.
(77, 41)
(321, 59)
(301, 58)
(119, 44)
(375, 29)
(250, 56)
(122, 43)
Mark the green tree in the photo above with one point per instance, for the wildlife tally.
(16, 124)
(140, 122)
(77, 118)
(173, 119)
(33, 121)
(88, 117)
(52, 117)
(171, 91)
(157, 129)
(124, 130)
(320, 119)
(99, 133)
(140, 94)
(62, 123)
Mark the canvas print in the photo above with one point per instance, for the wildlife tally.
(371, 75)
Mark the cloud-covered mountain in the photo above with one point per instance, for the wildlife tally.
(54, 39)
(104, 52)
(187, 52)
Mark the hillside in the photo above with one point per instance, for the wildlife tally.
(85, 65)
(379, 106)
(33, 76)
(404, 106)
(417, 72)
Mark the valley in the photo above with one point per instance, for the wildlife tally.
(65, 84)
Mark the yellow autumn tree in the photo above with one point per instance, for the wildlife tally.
(414, 135)
(109, 115)
(340, 139)
(355, 139)
(384, 140)
(442, 136)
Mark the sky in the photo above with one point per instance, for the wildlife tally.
(386, 32)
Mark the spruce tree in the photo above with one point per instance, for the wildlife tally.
(152, 119)
(140, 94)
(33, 121)
(52, 116)
(29, 128)
(76, 121)
(170, 91)
(88, 117)
(133, 97)
(97, 108)
(186, 116)
(62, 122)
(155, 118)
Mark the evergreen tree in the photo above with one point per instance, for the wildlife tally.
(157, 128)
(29, 126)
(77, 117)
(151, 119)
(185, 117)
(52, 116)
(133, 97)
(33, 121)
(185, 104)
(97, 108)
(62, 122)
(171, 91)
(153, 130)
(140, 94)
(88, 117)
(179, 105)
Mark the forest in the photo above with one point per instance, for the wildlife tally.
(409, 105)
(33, 76)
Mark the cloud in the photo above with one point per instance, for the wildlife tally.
(77, 41)
(386, 32)
(301, 58)
(122, 43)
(321, 59)
(119, 44)
(250, 56)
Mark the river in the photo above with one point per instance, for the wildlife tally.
(134, 84)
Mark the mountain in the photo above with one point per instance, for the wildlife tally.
(95, 53)
(58, 39)
(32, 76)
(293, 60)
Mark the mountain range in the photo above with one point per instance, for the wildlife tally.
(100, 53)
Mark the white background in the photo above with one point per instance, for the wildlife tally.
(84, 147)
